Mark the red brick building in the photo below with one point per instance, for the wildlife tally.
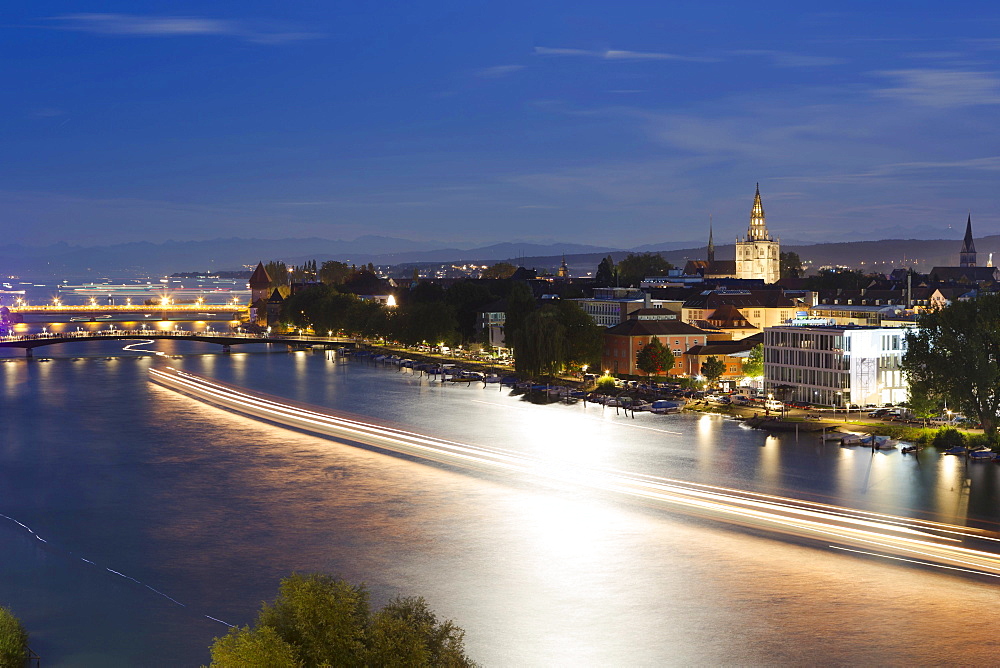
(623, 342)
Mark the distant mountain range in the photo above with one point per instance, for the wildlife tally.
(150, 259)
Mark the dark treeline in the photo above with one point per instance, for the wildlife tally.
(547, 335)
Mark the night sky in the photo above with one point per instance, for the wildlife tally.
(618, 123)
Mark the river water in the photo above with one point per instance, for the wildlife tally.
(161, 513)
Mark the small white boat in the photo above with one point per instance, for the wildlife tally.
(850, 439)
(885, 443)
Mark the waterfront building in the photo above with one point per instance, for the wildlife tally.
(760, 308)
(835, 365)
(624, 341)
(757, 254)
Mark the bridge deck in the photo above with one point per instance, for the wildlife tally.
(29, 341)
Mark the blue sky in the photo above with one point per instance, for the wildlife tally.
(475, 122)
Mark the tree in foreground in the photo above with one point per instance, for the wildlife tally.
(13, 640)
(654, 359)
(954, 354)
(712, 369)
(318, 620)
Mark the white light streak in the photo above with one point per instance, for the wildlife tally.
(936, 543)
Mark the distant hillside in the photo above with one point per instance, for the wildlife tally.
(62, 260)
(880, 256)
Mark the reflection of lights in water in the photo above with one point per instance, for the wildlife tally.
(929, 542)
(137, 347)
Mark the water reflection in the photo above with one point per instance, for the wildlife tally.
(213, 510)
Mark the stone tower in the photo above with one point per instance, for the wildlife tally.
(757, 255)
(967, 258)
(260, 284)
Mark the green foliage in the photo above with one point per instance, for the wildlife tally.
(467, 299)
(606, 384)
(520, 303)
(13, 640)
(304, 273)
(838, 279)
(790, 265)
(754, 366)
(278, 272)
(584, 338)
(956, 352)
(712, 369)
(318, 620)
(334, 273)
(407, 633)
(635, 267)
(499, 270)
(322, 617)
(654, 359)
(607, 273)
(253, 648)
(430, 321)
(948, 437)
(540, 343)
(980, 440)
(922, 403)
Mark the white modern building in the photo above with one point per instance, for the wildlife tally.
(835, 365)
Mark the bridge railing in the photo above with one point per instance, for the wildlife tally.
(146, 333)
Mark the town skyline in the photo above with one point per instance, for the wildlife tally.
(476, 125)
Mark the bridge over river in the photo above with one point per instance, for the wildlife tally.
(31, 341)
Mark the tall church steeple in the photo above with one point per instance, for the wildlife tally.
(758, 255)
(758, 229)
(967, 258)
(711, 244)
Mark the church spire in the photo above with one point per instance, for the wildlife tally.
(967, 258)
(758, 229)
(711, 244)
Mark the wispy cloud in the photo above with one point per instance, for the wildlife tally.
(793, 60)
(942, 89)
(173, 26)
(498, 71)
(618, 54)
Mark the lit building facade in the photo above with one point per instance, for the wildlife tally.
(836, 365)
(758, 255)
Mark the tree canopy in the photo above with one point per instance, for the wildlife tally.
(712, 369)
(654, 358)
(635, 267)
(838, 279)
(954, 354)
(499, 270)
(753, 367)
(319, 620)
(607, 272)
(790, 265)
(13, 640)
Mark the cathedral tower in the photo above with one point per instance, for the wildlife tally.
(757, 255)
(967, 258)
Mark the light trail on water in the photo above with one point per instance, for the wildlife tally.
(903, 539)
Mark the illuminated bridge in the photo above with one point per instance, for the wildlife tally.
(31, 341)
